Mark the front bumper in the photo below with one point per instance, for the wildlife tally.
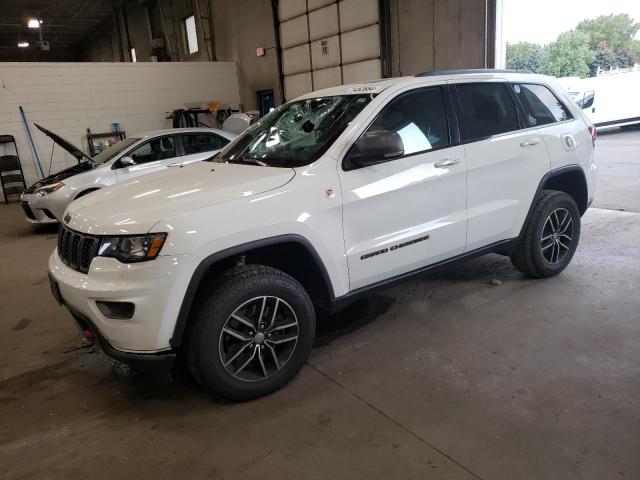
(148, 285)
(39, 209)
(146, 362)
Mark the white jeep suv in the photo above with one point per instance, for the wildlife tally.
(226, 262)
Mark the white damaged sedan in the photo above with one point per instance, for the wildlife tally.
(46, 200)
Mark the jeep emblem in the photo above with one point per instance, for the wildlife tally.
(67, 217)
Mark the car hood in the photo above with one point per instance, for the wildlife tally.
(137, 205)
(65, 144)
(61, 175)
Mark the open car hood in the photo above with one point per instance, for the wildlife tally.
(69, 147)
(61, 175)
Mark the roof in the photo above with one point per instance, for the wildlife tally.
(469, 71)
(167, 131)
(371, 86)
(377, 86)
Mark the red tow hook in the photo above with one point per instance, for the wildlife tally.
(88, 335)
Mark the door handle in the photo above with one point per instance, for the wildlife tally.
(446, 162)
(530, 143)
(177, 164)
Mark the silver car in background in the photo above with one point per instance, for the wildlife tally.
(46, 200)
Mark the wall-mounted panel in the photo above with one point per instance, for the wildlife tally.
(326, 52)
(327, 77)
(294, 32)
(296, 60)
(361, 71)
(324, 22)
(315, 4)
(361, 44)
(296, 85)
(291, 8)
(358, 13)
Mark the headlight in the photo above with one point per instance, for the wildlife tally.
(47, 189)
(138, 248)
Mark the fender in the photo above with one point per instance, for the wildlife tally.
(548, 176)
(86, 192)
(201, 269)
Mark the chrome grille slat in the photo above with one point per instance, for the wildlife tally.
(76, 249)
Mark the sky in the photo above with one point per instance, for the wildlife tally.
(541, 21)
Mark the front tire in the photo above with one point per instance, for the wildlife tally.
(550, 236)
(252, 334)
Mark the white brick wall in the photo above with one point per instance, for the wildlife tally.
(68, 98)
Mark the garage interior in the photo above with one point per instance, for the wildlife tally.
(470, 372)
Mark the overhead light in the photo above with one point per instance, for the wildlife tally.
(23, 44)
(34, 23)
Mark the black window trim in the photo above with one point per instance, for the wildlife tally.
(116, 165)
(524, 111)
(451, 119)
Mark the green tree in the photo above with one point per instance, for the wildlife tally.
(632, 51)
(615, 30)
(606, 59)
(569, 56)
(525, 55)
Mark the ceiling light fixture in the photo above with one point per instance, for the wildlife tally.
(34, 23)
(23, 44)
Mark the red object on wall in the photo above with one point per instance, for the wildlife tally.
(260, 51)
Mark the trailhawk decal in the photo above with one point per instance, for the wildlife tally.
(394, 247)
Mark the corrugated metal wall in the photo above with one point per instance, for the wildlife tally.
(326, 43)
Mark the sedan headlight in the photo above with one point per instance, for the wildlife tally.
(137, 248)
(47, 189)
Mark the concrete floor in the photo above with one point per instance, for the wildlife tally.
(446, 376)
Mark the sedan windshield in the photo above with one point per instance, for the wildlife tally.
(296, 133)
(110, 152)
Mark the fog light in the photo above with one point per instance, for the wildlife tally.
(116, 310)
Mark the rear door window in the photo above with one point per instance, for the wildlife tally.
(202, 142)
(154, 150)
(540, 105)
(486, 109)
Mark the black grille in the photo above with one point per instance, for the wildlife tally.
(27, 210)
(77, 249)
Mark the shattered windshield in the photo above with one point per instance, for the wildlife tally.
(296, 133)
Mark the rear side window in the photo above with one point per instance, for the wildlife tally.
(487, 109)
(154, 150)
(418, 117)
(541, 106)
(202, 142)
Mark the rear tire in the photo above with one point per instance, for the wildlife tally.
(252, 334)
(550, 236)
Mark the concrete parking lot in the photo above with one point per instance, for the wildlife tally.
(470, 372)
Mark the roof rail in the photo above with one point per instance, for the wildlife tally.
(433, 73)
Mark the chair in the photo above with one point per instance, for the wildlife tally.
(11, 175)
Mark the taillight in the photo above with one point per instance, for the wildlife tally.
(594, 134)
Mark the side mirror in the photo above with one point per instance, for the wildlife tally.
(126, 162)
(376, 147)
